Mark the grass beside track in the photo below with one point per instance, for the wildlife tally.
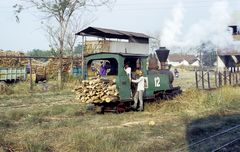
(54, 121)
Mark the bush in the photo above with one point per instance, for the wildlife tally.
(37, 146)
(4, 88)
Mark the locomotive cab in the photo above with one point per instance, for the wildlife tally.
(115, 69)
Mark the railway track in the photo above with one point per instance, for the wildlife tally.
(231, 146)
(217, 142)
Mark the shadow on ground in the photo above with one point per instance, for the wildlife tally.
(213, 126)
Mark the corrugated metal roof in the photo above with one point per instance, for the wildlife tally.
(110, 33)
(122, 54)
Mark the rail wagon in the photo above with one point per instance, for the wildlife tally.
(158, 80)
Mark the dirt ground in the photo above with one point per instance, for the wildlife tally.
(186, 79)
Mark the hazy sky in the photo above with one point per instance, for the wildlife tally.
(145, 16)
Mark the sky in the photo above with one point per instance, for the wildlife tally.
(177, 20)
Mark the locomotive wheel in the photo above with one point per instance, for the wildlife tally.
(158, 99)
(121, 107)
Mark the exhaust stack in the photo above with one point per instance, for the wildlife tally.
(162, 54)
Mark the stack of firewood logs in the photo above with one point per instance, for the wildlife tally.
(97, 91)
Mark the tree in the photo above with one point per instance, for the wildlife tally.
(207, 53)
(78, 49)
(76, 25)
(155, 41)
(40, 53)
(58, 14)
(209, 58)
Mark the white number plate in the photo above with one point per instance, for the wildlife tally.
(157, 81)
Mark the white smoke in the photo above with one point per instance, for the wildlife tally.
(172, 29)
(236, 18)
(212, 30)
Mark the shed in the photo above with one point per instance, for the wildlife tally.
(115, 41)
(229, 57)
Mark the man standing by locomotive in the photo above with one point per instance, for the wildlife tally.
(139, 93)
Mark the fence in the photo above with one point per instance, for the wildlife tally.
(210, 79)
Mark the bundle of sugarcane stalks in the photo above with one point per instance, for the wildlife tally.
(97, 91)
(53, 65)
(12, 62)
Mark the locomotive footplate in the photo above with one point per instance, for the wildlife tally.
(168, 94)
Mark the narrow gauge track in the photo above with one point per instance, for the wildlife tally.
(233, 145)
(218, 149)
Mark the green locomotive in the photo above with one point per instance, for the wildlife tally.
(158, 80)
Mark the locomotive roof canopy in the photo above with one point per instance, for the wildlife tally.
(117, 34)
(122, 54)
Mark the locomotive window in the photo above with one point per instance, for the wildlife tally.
(134, 63)
(111, 66)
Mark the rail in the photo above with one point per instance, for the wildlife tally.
(210, 137)
(227, 144)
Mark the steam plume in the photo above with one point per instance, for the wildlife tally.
(212, 30)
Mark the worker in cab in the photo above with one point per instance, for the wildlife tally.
(103, 70)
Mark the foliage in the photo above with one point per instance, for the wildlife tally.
(209, 58)
(40, 53)
(78, 49)
(48, 53)
(207, 53)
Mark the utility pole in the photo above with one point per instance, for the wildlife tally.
(200, 57)
(83, 57)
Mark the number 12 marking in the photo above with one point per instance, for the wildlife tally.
(157, 81)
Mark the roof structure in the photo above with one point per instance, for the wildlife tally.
(110, 33)
(230, 50)
(235, 29)
(227, 53)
